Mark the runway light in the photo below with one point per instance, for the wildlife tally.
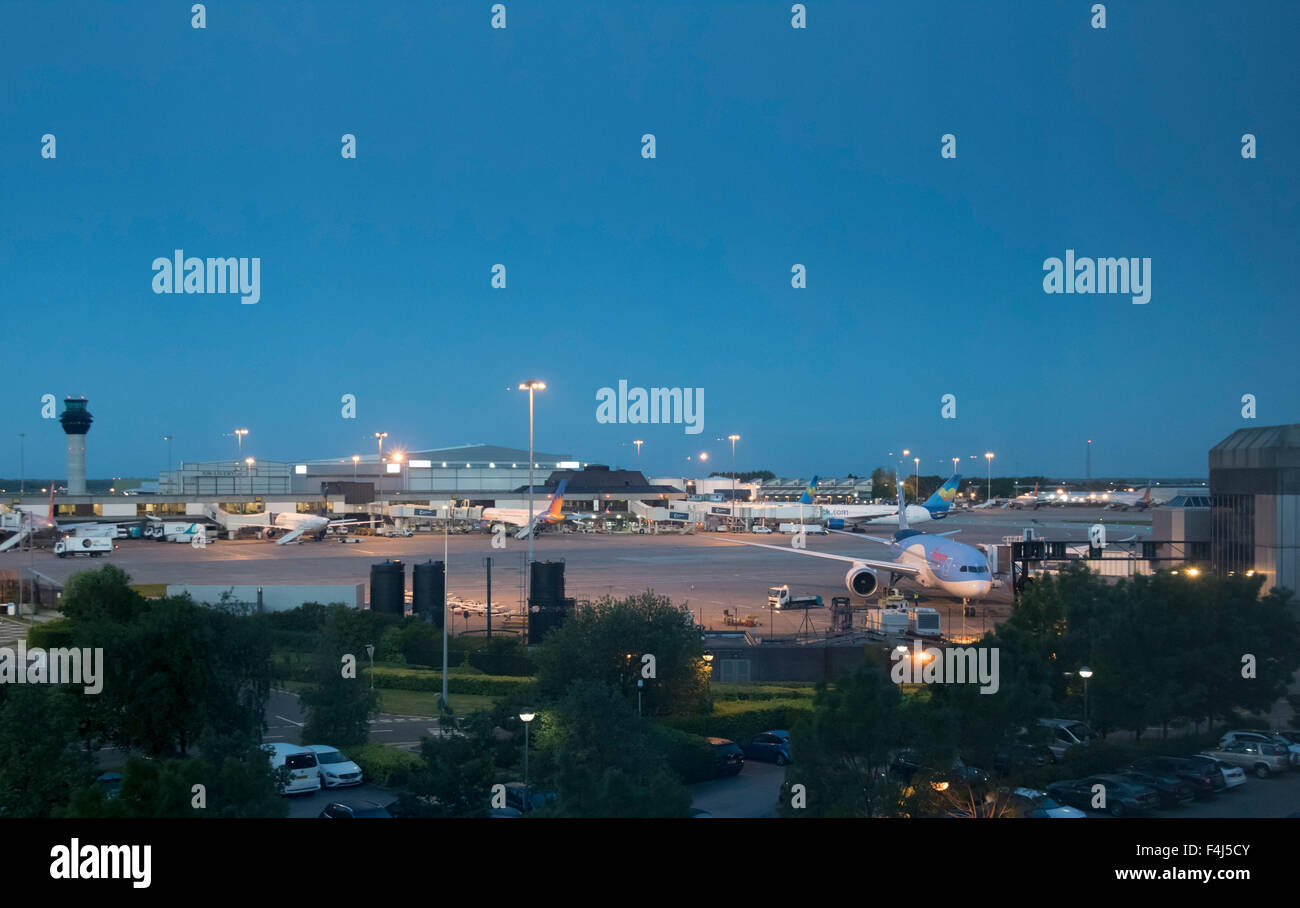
(1193, 572)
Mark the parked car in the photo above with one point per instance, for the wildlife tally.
(525, 798)
(1204, 780)
(336, 770)
(1016, 755)
(1263, 759)
(1067, 733)
(355, 810)
(1123, 797)
(1232, 776)
(301, 763)
(770, 747)
(729, 758)
(1170, 790)
(1031, 803)
(1263, 737)
(766, 531)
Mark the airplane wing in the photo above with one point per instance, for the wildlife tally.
(949, 533)
(288, 537)
(869, 562)
(865, 536)
(343, 523)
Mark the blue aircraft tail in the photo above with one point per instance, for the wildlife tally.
(807, 496)
(941, 501)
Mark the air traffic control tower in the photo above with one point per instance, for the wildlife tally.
(76, 420)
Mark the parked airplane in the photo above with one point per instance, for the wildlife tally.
(933, 561)
(1027, 500)
(518, 517)
(293, 525)
(1126, 500)
(848, 516)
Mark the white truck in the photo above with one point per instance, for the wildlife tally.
(94, 546)
(778, 597)
(175, 531)
(816, 528)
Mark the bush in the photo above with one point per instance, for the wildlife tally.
(61, 632)
(688, 755)
(387, 767)
(502, 656)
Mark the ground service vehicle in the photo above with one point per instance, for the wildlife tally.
(94, 546)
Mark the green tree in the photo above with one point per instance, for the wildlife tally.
(338, 708)
(842, 754)
(607, 644)
(602, 759)
(40, 764)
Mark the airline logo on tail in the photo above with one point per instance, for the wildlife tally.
(556, 510)
(941, 501)
(808, 493)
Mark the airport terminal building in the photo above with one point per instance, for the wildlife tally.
(1255, 504)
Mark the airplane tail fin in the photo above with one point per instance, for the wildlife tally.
(943, 497)
(556, 510)
(807, 496)
(1146, 498)
(53, 521)
(902, 503)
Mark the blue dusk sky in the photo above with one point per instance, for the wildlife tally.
(775, 146)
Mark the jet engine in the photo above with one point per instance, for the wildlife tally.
(861, 580)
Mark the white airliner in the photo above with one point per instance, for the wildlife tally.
(932, 560)
(518, 517)
(294, 525)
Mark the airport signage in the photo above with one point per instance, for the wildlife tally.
(678, 515)
(719, 510)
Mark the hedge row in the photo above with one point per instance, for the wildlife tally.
(741, 720)
(421, 680)
(761, 691)
(387, 767)
(688, 755)
(51, 634)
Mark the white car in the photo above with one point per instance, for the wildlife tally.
(1034, 803)
(1262, 737)
(1233, 776)
(762, 529)
(304, 772)
(336, 770)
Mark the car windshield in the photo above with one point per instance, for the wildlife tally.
(300, 761)
(331, 756)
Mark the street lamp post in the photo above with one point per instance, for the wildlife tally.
(446, 548)
(988, 495)
(168, 439)
(918, 477)
(954, 465)
(381, 436)
(370, 651)
(1085, 673)
(530, 385)
(733, 439)
(22, 464)
(239, 440)
(527, 718)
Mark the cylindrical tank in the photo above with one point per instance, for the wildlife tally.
(429, 591)
(547, 587)
(388, 588)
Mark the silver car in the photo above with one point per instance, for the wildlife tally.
(1263, 759)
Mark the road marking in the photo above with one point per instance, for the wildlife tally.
(290, 721)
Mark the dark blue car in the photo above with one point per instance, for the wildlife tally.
(770, 747)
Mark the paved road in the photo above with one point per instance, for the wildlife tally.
(285, 719)
(752, 793)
